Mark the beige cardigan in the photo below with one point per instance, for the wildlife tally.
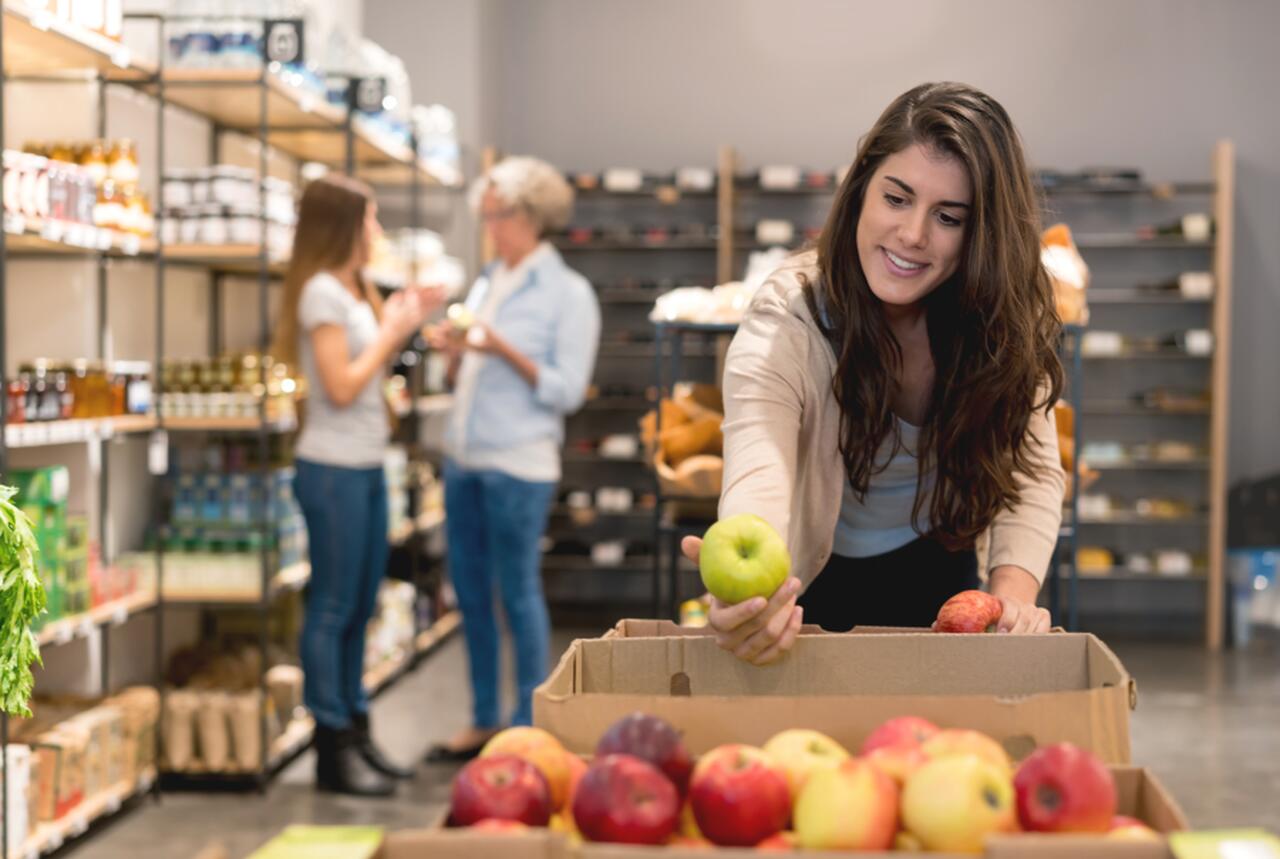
(781, 439)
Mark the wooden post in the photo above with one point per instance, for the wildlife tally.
(724, 213)
(488, 158)
(1224, 177)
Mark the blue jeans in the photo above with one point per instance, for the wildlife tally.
(346, 513)
(494, 523)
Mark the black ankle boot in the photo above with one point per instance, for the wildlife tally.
(341, 767)
(372, 754)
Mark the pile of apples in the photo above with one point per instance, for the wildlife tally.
(912, 787)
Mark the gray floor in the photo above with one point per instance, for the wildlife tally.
(1208, 726)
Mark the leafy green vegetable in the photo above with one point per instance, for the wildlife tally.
(22, 600)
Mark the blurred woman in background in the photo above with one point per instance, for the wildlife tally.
(336, 328)
(521, 356)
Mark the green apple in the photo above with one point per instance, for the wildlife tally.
(743, 557)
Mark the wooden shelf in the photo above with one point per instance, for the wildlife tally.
(444, 627)
(38, 43)
(1151, 465)
(114, 613)
(288, 579)
(1100, 241)
(1159, 355)
(49, 433)
(49, 837)
(233, 259)
(1143, 297)
(41, 236)
(251, 424)
(1125, 408)
(1128, 519)
(226, 97)
(1126, 574)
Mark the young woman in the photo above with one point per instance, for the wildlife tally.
(888, 396)
(521, 367)
(336, 328)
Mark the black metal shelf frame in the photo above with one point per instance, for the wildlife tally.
(155, 85)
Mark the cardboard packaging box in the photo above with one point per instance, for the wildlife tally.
(1138, 793)
(1024, 691)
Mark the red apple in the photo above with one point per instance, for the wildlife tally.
(903, 730)
(740, 796)
(969, 611)
(624, 800)
(503, 787)
(493, 826)
(651, 739)
(540, 749)
(897, 762)
(1063, 788)
(577, 769)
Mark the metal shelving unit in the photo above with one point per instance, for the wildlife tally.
(260, 104)
(1104, 220)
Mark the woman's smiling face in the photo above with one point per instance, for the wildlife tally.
(911, 230)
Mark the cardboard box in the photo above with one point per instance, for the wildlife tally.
(1138, 795)
(1025, 691)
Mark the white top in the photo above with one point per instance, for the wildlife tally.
(537, 461)
(881, 522)
(354, 436)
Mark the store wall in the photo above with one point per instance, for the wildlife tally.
(1151, 83)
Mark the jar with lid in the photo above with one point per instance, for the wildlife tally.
(136, 377)
(43, 400)
(122, 162)
(62, 386)
(17, 397)
(117, 391)
(62, 151)
(93, 157)
(78, 382)
(110, 209)
(98, 390)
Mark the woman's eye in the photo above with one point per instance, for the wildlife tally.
(895, 200)
(949, 220)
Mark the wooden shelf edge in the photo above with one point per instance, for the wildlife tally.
(114, 613)
(49, 837)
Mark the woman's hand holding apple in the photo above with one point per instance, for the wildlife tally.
(756, 630)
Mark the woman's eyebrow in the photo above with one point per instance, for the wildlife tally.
(950, 204)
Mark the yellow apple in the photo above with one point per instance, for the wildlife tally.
(957, 741)
(953, 803)
(800, 752)
(905, 842)
(853, 806)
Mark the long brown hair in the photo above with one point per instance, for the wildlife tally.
(330, 226)
(992, 326)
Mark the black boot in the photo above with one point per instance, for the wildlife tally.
(341, 768)
(373, 756)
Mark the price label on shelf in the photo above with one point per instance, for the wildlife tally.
(113, 805)
(131, 245)
(63, 634)
(121, 57)
(119, 616)
(103, 239)
(14, 223)
(78, 825)
(144, 782)
(85, 627)
(55, 841)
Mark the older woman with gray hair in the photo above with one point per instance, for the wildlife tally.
(521, 354)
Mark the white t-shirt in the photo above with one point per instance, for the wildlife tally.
(539, 460)
(354, 436)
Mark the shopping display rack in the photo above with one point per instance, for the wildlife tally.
(258, 104)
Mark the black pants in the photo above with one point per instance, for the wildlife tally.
(905, 587)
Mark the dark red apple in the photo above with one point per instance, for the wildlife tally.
(624, 800)
(740, 796)
(969, 611)
(651, 739)
(1063, 788)
(501, 787)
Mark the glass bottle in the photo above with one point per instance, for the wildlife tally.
(122, 162)
(93, 157)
